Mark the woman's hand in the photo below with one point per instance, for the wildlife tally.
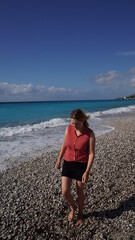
(85, 177)
(57, 166)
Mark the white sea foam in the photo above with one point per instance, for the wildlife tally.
(113, 111)
(25, 129)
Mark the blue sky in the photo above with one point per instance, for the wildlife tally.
(66, 49)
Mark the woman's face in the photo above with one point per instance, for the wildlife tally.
(77, 124)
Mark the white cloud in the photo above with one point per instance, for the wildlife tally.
(59, 90)
(126, 54)
(14, 89)
(30, 92)
(132, 70)
(105, 85)
(132, 82)
(106, 78)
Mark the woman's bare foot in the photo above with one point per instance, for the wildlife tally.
(79, 220)
(71, 214)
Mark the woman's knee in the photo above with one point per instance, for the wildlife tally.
(66, 186)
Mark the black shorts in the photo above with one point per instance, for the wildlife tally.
(74, 170)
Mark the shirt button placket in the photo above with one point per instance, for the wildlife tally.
(75, 150)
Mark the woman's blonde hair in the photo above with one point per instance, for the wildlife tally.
(79, 115)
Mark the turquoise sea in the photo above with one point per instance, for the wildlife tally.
(28, 129)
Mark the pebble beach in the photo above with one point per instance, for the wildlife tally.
(32, 206)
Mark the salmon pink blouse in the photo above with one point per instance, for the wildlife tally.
(77, 147)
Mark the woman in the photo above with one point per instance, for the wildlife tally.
(78, 151)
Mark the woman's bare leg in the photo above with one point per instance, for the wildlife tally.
(66, 187)
(79, 188)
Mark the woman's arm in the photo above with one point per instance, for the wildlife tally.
(62, 151)
(91, 157)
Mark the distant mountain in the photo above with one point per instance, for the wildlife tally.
(127, 97)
